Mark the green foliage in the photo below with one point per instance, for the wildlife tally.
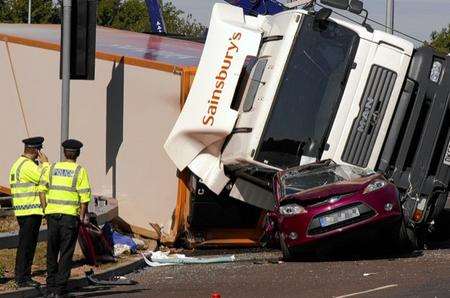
(132, 15)
(179, 23)
(106, 11)
(2, 271)
(441, 40)
(120, 14)
(16, 11)
(2, 9)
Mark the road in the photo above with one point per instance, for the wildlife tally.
(260, 274)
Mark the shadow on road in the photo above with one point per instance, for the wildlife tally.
(440, 237)
(105, 291)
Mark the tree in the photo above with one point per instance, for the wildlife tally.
(16, 11)
(106, 12)
(121, 14)
(132, 15)
(2, 9)
(441, 40)
(179, 23)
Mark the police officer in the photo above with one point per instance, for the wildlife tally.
(68, 195)
(28, 202)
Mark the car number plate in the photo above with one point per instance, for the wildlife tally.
(447, 156)
(340, 216)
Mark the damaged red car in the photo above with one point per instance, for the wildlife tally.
(324, 201)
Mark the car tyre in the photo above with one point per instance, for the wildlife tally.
(288, 254)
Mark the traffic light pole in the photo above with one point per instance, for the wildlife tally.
(65, 93)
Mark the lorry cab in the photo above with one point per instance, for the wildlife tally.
(318, 89)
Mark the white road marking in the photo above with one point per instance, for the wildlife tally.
(368, 291)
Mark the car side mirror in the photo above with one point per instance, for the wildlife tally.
(339, 4)
(355, 6)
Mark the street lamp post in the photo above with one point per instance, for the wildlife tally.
(390, 16)
(29, 11)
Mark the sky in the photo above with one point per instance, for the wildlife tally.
(415, 17)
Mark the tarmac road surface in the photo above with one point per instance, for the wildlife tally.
(258, 273)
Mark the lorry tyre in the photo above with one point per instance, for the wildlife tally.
(439, 205)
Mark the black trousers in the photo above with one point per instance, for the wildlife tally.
(62, 237)
(28, 235)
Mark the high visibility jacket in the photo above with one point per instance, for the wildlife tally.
(67, 186)
(24, 178)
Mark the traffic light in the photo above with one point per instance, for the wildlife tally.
(83, 36)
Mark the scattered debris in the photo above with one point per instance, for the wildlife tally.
(114, 281)
(369, 274)
(270, 261)
(94, 244)
(150, 233)
(160, 258)
(122, 244)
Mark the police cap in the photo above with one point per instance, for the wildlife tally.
(34, 142)
(72, 144)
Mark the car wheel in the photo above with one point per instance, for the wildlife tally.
(288, 254)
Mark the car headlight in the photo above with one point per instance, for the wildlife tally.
(436, 70)
(291, 209)
(375, 185)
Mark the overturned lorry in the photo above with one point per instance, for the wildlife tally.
(276, 91)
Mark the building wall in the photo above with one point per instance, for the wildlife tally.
(123, 118)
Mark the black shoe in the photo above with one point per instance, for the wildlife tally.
(29, 284)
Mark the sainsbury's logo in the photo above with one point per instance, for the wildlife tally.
(220, 79)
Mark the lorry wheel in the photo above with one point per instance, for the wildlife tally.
(288, 254)
(439, 205)
(441, 231)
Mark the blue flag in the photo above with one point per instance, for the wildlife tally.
(255, 7)
(156, 17)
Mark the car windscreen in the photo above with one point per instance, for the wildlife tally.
(294, 181)
(309, 93)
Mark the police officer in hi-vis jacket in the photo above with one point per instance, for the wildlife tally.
(28, 202)
(68, 195)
